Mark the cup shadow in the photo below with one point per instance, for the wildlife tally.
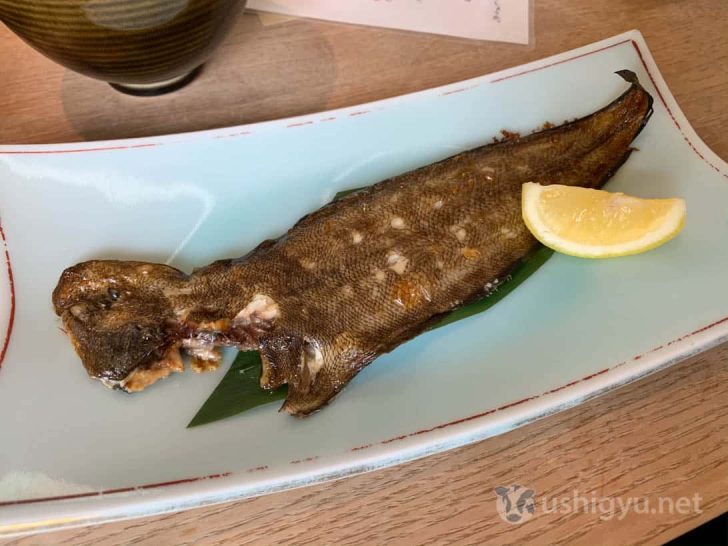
(234, 87)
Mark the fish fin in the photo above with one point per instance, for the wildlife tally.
(280, 357)
(631, 77)
(315, 368)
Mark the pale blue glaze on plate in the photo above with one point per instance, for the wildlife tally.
(189, 199)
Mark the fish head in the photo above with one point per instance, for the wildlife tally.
(119, 316)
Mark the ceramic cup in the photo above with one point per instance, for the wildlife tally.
(142, 47)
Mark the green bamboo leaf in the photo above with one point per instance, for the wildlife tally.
(240, 389)
(344, 193)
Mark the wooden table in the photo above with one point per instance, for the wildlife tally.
(666, 435)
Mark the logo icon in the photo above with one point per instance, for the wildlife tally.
(515, 504)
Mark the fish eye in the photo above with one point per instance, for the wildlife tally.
(113, 294)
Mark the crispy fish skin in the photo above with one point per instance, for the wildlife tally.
(350, 281)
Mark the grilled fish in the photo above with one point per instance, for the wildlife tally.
(349, 282)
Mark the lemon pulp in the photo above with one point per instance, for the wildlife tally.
(596, 223)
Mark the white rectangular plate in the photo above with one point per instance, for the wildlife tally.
(73, 452)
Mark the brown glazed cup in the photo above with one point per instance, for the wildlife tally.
(142, 47)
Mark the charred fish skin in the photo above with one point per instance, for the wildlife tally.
(118, 316)
(350, 281)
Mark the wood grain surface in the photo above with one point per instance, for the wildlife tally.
(664, 436)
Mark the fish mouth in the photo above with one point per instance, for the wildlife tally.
(145, 375)
(202, 353)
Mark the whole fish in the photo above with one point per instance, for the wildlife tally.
(349, 282)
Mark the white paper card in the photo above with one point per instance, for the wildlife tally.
(499, 20)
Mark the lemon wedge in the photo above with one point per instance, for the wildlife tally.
(596, 223)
